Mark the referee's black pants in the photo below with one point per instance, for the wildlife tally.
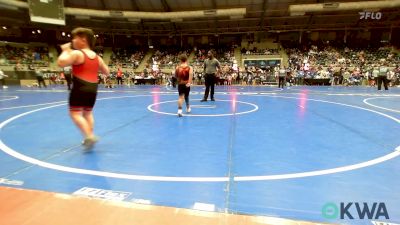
(382, 79)
(210, 84)
(281, 82)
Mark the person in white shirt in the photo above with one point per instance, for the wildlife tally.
(2, 80)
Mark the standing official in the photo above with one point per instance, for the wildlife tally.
(281, 77)
(211, 67)
(382, 77)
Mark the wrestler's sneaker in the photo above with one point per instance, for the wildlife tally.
(89, 142)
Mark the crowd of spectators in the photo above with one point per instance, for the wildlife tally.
(127, 57)
(167, 57)
(20, 57)
(342, 65)
(256, 51)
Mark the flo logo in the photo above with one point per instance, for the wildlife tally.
(370, 15)
(362, 211)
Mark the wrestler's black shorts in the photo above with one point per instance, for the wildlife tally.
(183, 90)
(83, 95)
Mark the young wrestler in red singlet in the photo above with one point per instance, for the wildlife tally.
(85, 67)
(184, 74)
